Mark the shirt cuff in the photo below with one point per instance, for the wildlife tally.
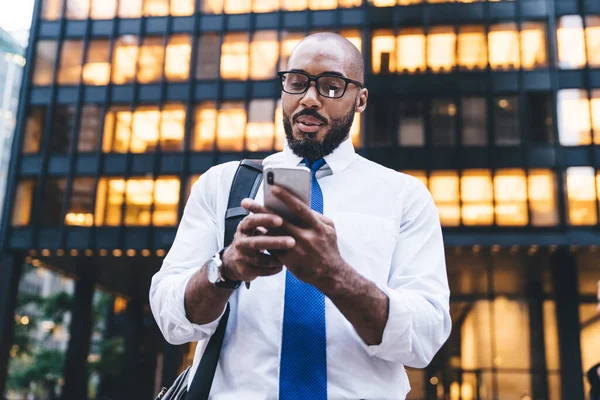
(182, 329)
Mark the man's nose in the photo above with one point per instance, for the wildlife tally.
(311, 98)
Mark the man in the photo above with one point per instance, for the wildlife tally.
(340, 303)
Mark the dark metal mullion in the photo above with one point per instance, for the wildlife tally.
(280, 40)
(251, 34)
(219, 81)
(523, 134)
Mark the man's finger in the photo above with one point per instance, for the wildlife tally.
(266, 242)
(255, 207)
(250, 270)
(261, 260)
(295, 205)
(251, 222)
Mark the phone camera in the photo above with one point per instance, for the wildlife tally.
(270, 178)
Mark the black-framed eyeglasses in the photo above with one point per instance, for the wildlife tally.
(328, 85)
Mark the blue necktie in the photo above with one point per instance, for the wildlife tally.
(303, 373)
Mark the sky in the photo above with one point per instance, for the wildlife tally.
(15, 14)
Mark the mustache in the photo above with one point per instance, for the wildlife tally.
(310, 113)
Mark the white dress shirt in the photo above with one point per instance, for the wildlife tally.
(388, 229)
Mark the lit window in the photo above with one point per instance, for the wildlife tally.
(533, 45)
(570, 42)
(34, 129)
(506, 121)
(231, 124)
(420, 175)
(354, 36)
(383, 52)
(289, 40)
(211, 6)
(542, 197)
(234, 56)
(443, 186)
(89, 128)
(81, 212)
(474, 121)
(411, 50)
(156, 8)
(172, 127)
(294, 5)
(476, 194)
(383, 3)
(581, 193)
(130, 9)
(205, 127)
(409, 2)
(51, 9)
(152, 55)
(45, 56)
(21, 215)
(207, 66)
(595, 106)
(510, 192)
(472, 49)
(355, 131)
(238, 6)
(411, 130)
(264, 6)
(574, 122)
(280, 138)
(322, 4)
(177, 61)
(124, 59)
(182, 7)
(441, 49)
(78, 9)
(96, 70)
(144, 130)
(592, 37)
(264, 51)
(103, 9)
(350, 3)
(443, 122)
(166, 200)
(503, 42)
(69, 70)
(260, 130)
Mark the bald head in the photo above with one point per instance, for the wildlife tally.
(353, 60)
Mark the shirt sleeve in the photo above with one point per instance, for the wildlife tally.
(196, 241)
(419, 318)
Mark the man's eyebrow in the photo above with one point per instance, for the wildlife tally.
(322, 73)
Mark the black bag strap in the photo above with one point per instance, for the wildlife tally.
(246, 182)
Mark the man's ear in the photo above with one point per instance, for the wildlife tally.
(361, 100)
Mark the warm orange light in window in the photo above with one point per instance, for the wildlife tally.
(234, 56)
(230, 127)
(383, 3)
(237, 6)
(383, 52)
(411, 50)
(294, 5)
(542, 199)
(581, 193)
(264, 51)
(441, 49)
(510, 192)
(260, 130)
(420, 175)
(355, 131)
(472, 48)
(206, 126)
(322, 4)
(177, 60)
(477, 195)
(288, 42)
(119, 305)
(503, 43)
(97, 74)
(103, 9)
(571, 42)
(79, 219)
(264, 6)
(182, 7)
(574, 120)
(124, 60)
(156, 8)
(592, 37)
(533, 45)
(354, 36)
(443, 186)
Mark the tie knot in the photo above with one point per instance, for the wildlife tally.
(314, 165)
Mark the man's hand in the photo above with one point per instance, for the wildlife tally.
(315, 256)
(244, 259)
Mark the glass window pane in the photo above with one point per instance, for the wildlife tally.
(205, 127)
(595, 106)
(144, 129)
(78, 9)
(506, 121)
(230, 127)
(294, 5)
(166, 200)
(510, 193)
(279, 130)
(207, 66)
(89, 128)
(551, 336)
(61, 135)
(289, 40)
(45, 57)
(51, 9)
(533, 45)
(138, 201)
(96, 70)
(322, 4)
(570, 42)
(81, 205)
(475, 335)
(264, 51)
(411, 131)
(234, 56)
(443, 186)
(71, 56)
(476, 195)
(355, 131)
(541, 187)
(263, 6)
(152, 55)
(441, 49)
(474, 121)
(503, 42)
(592, 37)
(177, 62)
(156, 8)
(539, 118)
(21, 215)
(349, 3)
(443, 115)
(34, 129)
(182, 7)
(411, 51)
(172, 127)
(260, 131)
(382, 121)
(130, 9)
(581, 195)
(117, 130)
(383, 52)
(109, 198)
(124, 59)
(237, 6)
(52, 202)
(512, 344)
(574, 124)
(472, 48)
(211, 6)
(103, 9)
(354, 36)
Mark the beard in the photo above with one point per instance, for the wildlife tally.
(312, 150)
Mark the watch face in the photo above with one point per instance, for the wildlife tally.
(213, 272)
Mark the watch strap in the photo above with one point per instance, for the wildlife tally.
(225, 282)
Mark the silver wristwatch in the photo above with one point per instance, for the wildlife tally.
(215, 273)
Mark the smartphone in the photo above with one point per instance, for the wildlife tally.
(295, 179)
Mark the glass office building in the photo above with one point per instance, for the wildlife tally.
(494, 105)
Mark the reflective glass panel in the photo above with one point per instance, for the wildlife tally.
(103, 9)
(81, 204)
(234, 56)
(294, 5)
(21, 213)
(574, 120)
(289, 40)
(541, 186)
(411, 50)
(96, 70)
(51, 9)
(237, 6)
(78, 9)
(34, 129)
(231, 125)
(443, 122)
(411, 131)
(125, 57)
(474, 121)
(506, 121)
(71, 56)
(264, 51)
(61, 134)
(130, 9)
(510, 193)
(262, 6)
(533, 45)
(592, 37)
(182, 7)
(322, 4)
(503, 47)
(152, 55)
(260, 131)
(52, 200)
(570, 42)
(472, 48)
(89, 128)
(581, 195)
(441, 49)
(178, 56)
(207, 66)
(205, 127)
(211, 6)
(383, 52)
(443, 186)
(156, 8)
(476, 194)
(45, 57)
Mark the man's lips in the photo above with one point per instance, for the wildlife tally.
(309, 124)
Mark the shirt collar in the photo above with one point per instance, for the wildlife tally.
(338, 160)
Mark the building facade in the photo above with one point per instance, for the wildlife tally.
(494, 105)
